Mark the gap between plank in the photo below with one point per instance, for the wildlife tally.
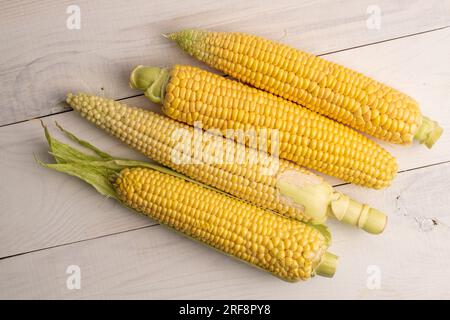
(386, 40)
(402, 171)
(61, 112)
(78, 241)
(319, 55)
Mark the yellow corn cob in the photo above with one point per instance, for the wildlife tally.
(320, 85)
(288, 189)
(189, 94)
(284, 247)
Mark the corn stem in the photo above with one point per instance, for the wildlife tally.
(429, 132)
(151, 80)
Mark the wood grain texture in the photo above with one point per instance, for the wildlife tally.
(42, 59)
(49, 221)
(412, 257)
(54, 216)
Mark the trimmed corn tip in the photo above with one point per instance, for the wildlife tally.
(320, 85)
(286, 248)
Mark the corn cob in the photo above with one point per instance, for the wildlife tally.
(189, 94)
(320, 85)
(288, 249)
(288, 189)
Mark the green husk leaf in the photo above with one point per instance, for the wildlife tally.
(324, 230)
(63, 152)
(84, 143)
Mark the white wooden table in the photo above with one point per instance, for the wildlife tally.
(50, 221)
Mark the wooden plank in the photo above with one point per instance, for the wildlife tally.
(59, 209)
(410, 257)
(42, 59)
